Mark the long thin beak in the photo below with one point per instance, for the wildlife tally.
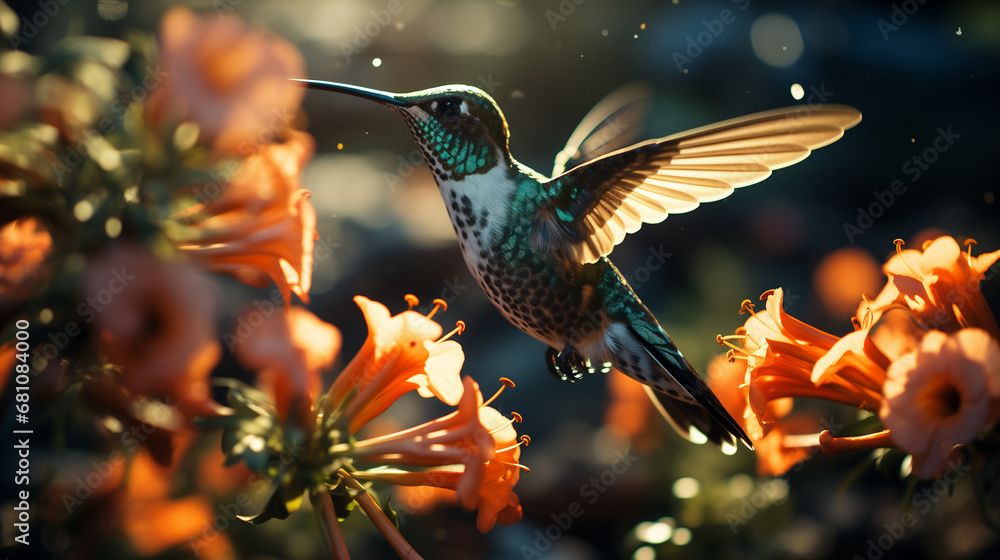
(383, 97)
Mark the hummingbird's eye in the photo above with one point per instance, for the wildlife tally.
(449, 107)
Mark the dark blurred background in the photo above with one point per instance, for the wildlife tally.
(915, 70)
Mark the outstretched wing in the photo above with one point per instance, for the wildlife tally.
(589, 209)
(614, 123)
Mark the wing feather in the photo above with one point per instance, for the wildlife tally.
(591, 208)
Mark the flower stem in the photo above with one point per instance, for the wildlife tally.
(382, 523)
(323, 506)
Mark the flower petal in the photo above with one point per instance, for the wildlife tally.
(442, 372)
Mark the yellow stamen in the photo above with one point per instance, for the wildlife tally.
(459, 329)
(517, 417)
(969, 243)
(411, 300)
(505, 383)
(518, 465)
(734, 355)
(502, 426)
(724, 340)
(748, 306)
(899, 251)
(525, 440)
(438, 304)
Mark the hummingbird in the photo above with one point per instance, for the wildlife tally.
(538, 246)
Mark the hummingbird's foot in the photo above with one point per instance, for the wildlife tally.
(569, 365)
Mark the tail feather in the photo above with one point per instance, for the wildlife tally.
(692, 421)
(697, 415)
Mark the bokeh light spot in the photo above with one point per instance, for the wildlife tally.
(682, 536)
(186, 136)
(644, 553)
(654, 533)
(776, 40)
(83, 210)
(798, 92)
(113, 227)
(463, 27)
(686, 487)
(740, 485)
(112, 10)
(842, 276)
(776, 490)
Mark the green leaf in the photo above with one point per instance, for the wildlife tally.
(246, 399)
(862, 427)
(242, 387)
(275, 508)
(890, 462)
(293, 495)
(855, 474)
(230, 436)
(390, 513)
(343, 503)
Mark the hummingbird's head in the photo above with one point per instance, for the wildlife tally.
(460, 129)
